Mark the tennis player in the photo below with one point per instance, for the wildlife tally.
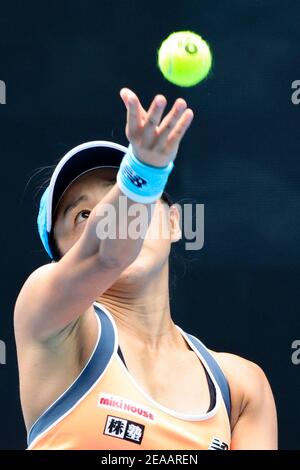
(102, 364)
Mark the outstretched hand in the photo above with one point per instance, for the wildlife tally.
(155, 141)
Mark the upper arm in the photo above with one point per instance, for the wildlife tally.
(57, 293)
(256, 426)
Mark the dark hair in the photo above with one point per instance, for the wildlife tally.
(166, 198)
(54, 247)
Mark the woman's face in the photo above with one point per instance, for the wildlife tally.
(86, 192)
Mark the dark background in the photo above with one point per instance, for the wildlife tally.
(64, 63)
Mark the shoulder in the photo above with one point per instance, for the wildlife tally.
(36, 304)
(238, 367)
(241, 371)
(30, 290)
(36, 277)
(247, 381)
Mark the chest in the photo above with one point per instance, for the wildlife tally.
(176, 381)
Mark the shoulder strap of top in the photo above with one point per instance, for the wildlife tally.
(216, 371)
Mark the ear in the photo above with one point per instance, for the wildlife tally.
(175, 222)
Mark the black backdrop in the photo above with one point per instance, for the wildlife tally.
(63, 64)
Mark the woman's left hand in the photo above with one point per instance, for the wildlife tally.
(155, 141)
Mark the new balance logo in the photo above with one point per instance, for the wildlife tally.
(124, 429)
(134, 178)
(217, 444)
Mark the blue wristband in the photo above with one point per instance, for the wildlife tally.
(141, 182)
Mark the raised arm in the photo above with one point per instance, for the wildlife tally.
(58, 293)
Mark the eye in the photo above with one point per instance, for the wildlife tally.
(82, 215)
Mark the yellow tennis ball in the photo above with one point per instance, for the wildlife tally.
(184, 58)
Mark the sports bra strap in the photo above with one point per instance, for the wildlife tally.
(216, 371)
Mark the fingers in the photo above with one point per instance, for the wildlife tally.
(170, 120)
(153, 118)
(146, 131)
(179, 130)
(135, 112)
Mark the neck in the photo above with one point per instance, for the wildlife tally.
(141, 307)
